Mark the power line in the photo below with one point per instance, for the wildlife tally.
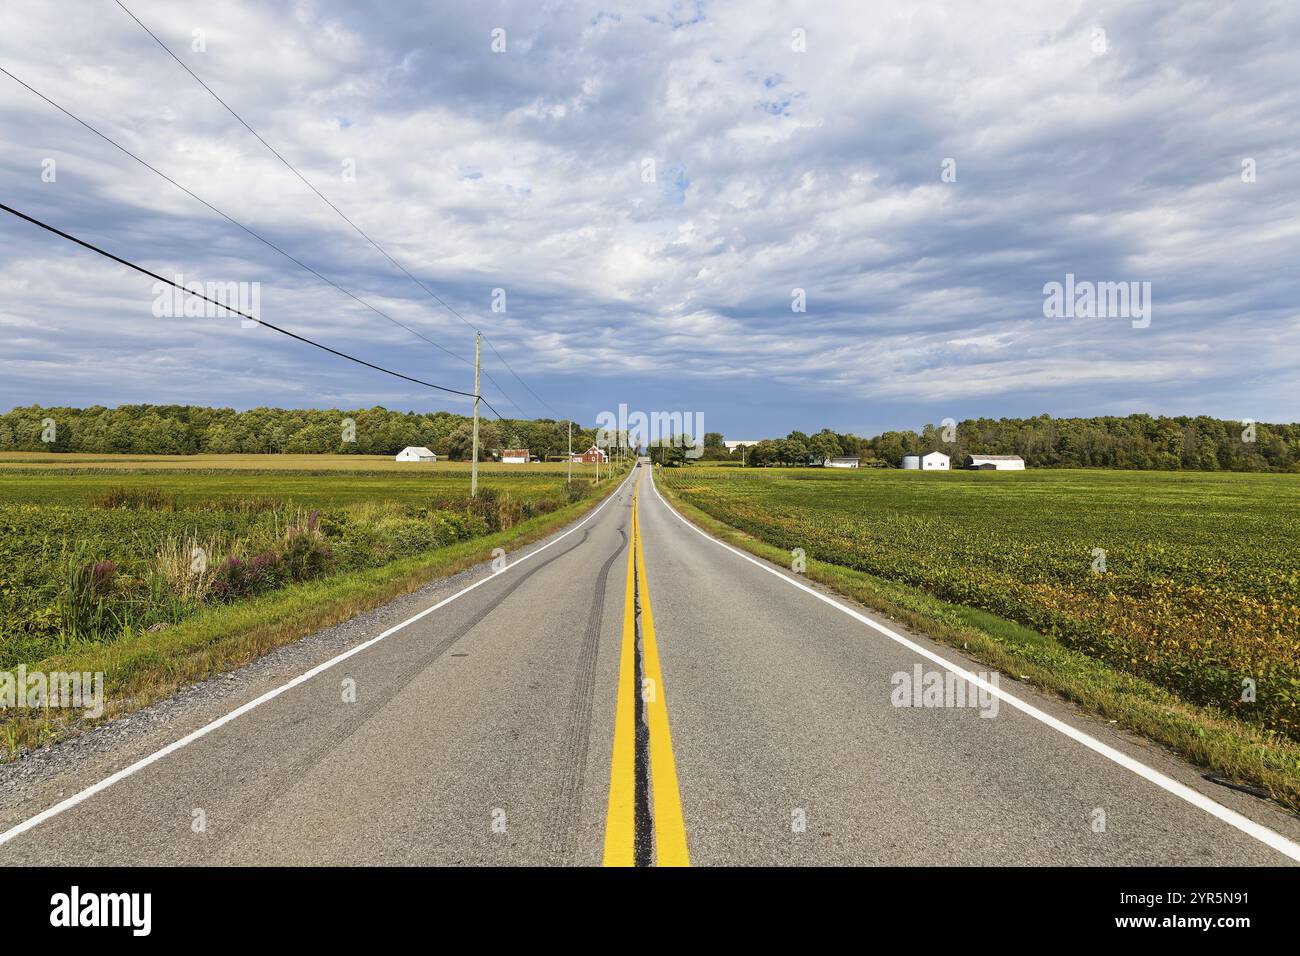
(361, 232)
(518, 379)
(291, 167)
(274, 328)
(256, 235)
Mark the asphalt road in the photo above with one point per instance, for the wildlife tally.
(505, 727)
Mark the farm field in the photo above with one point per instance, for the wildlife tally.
(96, 548)
(307, 480)
(1201, 583)
(310, 463)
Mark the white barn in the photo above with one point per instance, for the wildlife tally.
(416, 453)
(935, 461)
(995, 462)
(844, 462)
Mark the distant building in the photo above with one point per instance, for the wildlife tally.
(514, 456)
(995, 462)
(416, 453)
(846, 462)
(935, 461)
(733, 445)
(590, 456)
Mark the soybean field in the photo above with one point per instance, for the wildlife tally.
(1191, 580)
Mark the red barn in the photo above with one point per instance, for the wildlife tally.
(590, 456)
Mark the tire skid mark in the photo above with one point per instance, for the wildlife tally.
(578, 733)
(353, 718)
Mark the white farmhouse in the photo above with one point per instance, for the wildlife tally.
(935, 461)
(995, 462)
(416, 453)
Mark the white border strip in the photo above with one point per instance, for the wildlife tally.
(1246, 825)
(238, 712)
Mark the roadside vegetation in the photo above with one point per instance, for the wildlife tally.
(1186, 628)
(158, 578)
(90, 557)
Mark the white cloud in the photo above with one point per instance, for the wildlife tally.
(774, 170)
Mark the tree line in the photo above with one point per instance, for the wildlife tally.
(1141, 442)
(1134, 441)
(194, 430)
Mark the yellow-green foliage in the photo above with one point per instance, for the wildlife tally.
(95, 555)
(1201, 587)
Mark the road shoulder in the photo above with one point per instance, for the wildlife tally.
(42, 776)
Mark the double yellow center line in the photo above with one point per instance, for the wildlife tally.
(643, 792)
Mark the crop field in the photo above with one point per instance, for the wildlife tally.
(306, 480)
(95, 548)
(70, 462)
(1191, 580)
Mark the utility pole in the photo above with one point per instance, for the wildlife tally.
(473, 468)
(570, 452)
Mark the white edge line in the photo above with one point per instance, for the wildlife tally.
(1243, 823)
(238, 712)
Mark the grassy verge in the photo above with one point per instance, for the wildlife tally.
(149, 667)
(1257, 759)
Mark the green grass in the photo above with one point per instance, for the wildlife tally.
(140, 525)
(304, 489)
(315, 481)
(142, 668)
(1002, 568)
(1200, 591)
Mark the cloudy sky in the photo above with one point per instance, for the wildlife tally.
(650, 184)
